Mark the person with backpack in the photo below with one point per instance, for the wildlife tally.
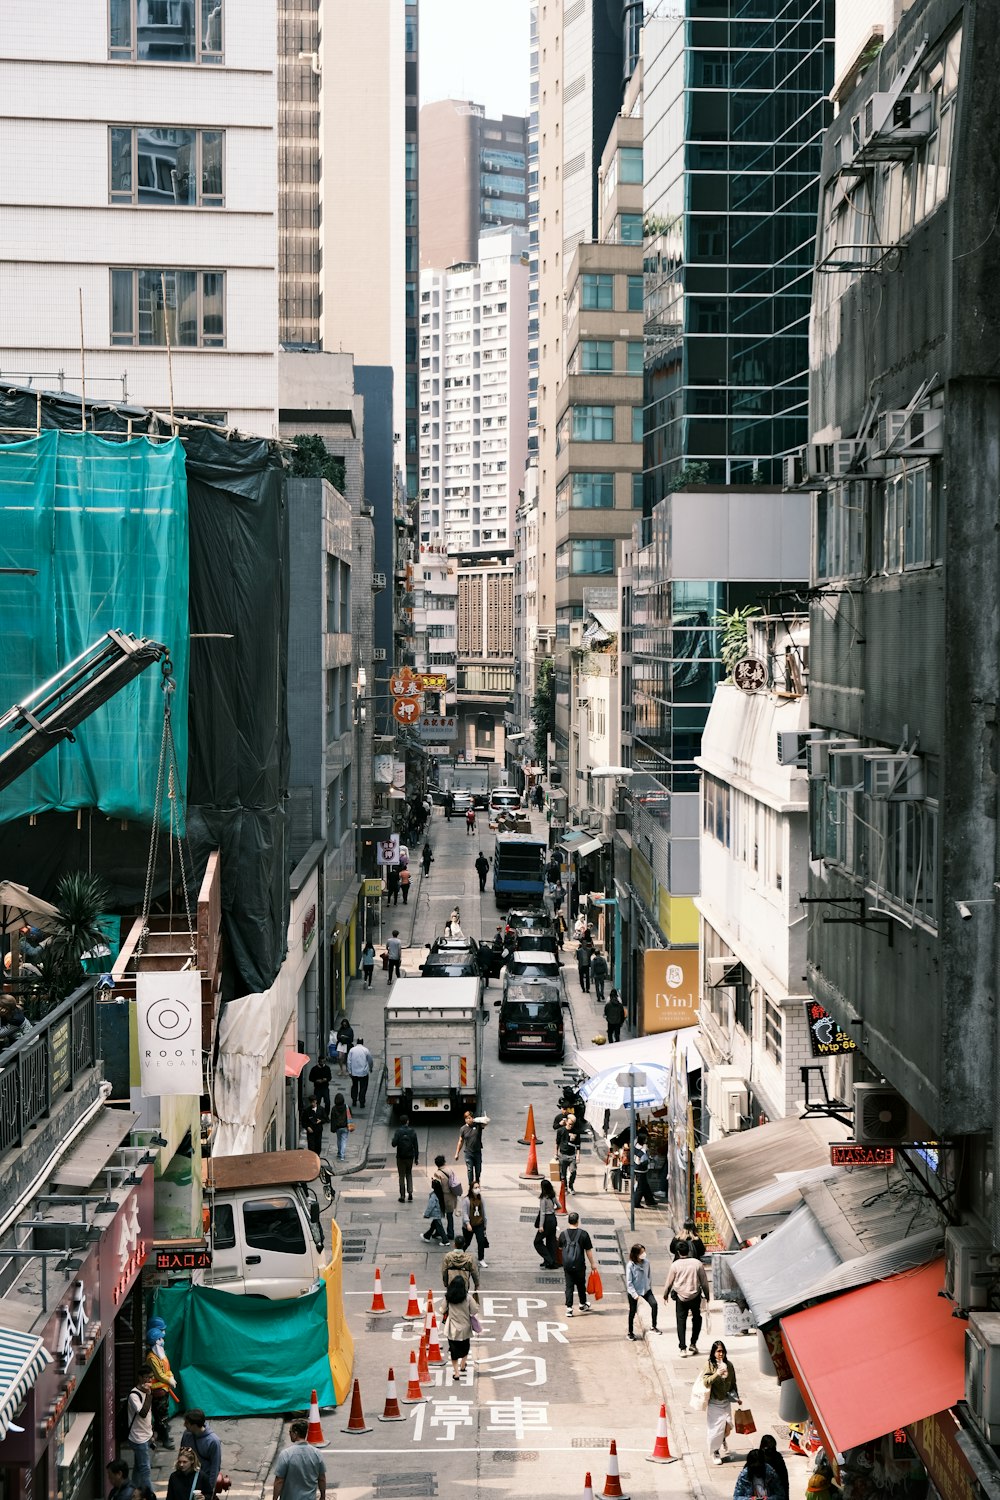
(207, 1446)
(407, 1155)
(184, 1480)
(614, 1016)
(577, 1249)
(121, 1489)
(138, 1425)
(599, 972)
(458, 1262)
(460, 1309)
(545, 1225)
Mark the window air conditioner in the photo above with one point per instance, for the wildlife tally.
(817, 460)
(895, 778)
(982, 1373)
(723, 973)
(728, 1098)
(889, 128)
(792, 746)
(881, 1115)
(793, 469)
(843, 456)
(846, 766)
(915, 434)
(818, 759)
(967, 1271)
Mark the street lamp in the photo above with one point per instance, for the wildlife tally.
(632, 1079)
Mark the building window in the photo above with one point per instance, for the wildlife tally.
(592, 424)
(184, 31)
(596, 355)
(635, 294)
(153, 164)
(411, 161)
(634, 365)
(906, 521)
(840, 531)
(629, 227)
(743, 1007)
(772, 1029)
(183, 308)
(585, 492)
(630, 164)
(589, 555)
(637, 424)
(637, 492)
(599, 291)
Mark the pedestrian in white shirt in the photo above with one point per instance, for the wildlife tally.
(359, 1066)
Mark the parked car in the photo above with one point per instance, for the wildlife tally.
(451, 958)
(531, 1020)
(529, 919)
(525, 965)
(461, 803)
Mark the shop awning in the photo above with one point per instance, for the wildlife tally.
(578, 841)
(878, 1358)
(294, 1062)
(23, 1357)
(763, 1161)
(787, 1262)
(94, 1148)
(658, 1049)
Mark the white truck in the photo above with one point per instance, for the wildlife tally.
(434, 1045)
(263, 1224)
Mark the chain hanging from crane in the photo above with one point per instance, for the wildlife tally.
(167, 771)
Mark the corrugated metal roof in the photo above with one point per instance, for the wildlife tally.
(608, 618)
(782, 1266)
(903, 1255)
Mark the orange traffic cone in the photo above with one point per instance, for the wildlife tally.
(612, 1484)
(356, 1421)
(531, 1167)
(428, 1309)
(661, 1453)
(413, 1306)
(378, 1301)
(561, 1205)
(588, 1487)
(423, 1368)
(315, 1433)
(413, 1392)
(434, 1355)
(529, 1129)
(392, 1412)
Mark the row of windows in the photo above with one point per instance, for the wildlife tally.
(626, 166)
(152, 164)
(593, 491)
(594, 424)
(585, 556)
(597, 292)
(186, 31)
(751, 831)
(891, 526)
(159, 307)
(596, 356)
(891, 847)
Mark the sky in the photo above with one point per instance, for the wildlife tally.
(475, 49)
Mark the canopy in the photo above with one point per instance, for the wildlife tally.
(294, 1062)
(658, 1050)
(878, 1358)
(604, 1090)
(764, 1161)
(19, 908)
(23, 1357)
(784, 1264)
(577, 841)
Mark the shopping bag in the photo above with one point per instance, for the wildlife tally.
(743, 1420)
(595, 1287)
(699, 1395)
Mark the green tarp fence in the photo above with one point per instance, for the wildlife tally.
(246, 1356)
(102, 526)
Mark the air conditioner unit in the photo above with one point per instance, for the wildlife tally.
(844, 454)
(378, 654)
(816, 460)
(818, 759)
(583, 702)
(792, 745)
(847, 767)
(895, 778)
(982, 1373)
(728, 1098)
(967, 1271)
(915, 434)
(888, 128)
(881, 1115)
(723, 973)
(793, 469)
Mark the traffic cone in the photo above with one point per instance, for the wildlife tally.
(588, 1487)
(413, 1306)
(413, 1392)
(661, 1453)
(529, 1129)
(378, 1301)
(434, 1355)
(612, 1484)
(531, 1167)
(429, 1309)
(561, 1205)
(392, 1412)
(356, 1421)
(315, 1433)
(423, 1368)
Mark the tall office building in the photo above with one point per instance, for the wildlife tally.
(140, 223)
(473, 177)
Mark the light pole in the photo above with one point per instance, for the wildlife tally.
(631, 1080)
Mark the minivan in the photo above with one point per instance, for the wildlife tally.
(506, 798)
(531, 1020)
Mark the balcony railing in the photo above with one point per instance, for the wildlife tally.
(45, 1063)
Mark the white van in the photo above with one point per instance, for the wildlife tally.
(505, 798)
(264, 1225)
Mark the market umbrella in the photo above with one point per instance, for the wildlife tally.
(606, 1090)
(19, 908)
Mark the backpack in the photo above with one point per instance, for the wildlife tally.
(572, 1251)
(456, 1291)
(123, 1420)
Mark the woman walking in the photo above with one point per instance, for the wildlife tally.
(340, 1122)
(459, 1311)
(426, 855)
(638, 1287)
(434, 1211)
(472, 1216)
(545, 1225)
(758, 1477)
(720, 1379)
(368, 963)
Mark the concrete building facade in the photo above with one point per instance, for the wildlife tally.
(473, 177)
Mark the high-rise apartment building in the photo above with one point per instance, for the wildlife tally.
(473, 177)
(140, 218)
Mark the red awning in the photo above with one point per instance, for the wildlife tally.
(294, 1062)
(877, 1358)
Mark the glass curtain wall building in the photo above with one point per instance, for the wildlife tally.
(736, 99)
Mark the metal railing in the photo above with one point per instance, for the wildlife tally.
(45, 1063)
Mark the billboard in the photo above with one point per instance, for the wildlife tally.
(669, 989)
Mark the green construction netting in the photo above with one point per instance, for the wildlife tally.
(104, 526)
(246, 1356)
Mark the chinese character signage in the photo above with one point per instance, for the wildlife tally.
(825, 1037)
(438, 726)
(182, 1258)
(669, 989)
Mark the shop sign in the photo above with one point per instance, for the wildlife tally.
(438, 727)
(309, 928)
(59, 1057)
(433, 682)
(669, 989)
(388, 851)
(183, 1258)
(704, 1223)
(129, 1253)
(406, 710)
(853, 1154)
(825, 1037)
(168, 1011)
(372, 887)
(950, 1471)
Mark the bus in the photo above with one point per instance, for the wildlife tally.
(518, 868)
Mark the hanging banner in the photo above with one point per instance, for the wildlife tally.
(168, 1013)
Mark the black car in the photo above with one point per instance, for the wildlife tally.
(451, 958)
(530, 919)
(536, 942)
(531, 1020)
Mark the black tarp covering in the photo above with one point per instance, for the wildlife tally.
(237, 707)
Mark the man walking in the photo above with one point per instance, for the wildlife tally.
(482, 869)
(614, 1015)
(320, 1076)
(470, 1141)
(312, 1124)
(583, 966)
(300, 1473)
(599, 972)
(577, 1249)
(394, 948)
(140, 1432)
(687, 1284)
(449, 805)
(199, 1436)
(407, 1155)
(392, 885)
(642, 1192)
(359, 1065)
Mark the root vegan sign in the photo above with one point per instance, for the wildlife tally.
(168, 1017)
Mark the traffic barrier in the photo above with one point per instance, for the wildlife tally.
(529, 1128)
(356, 1421)
(315, 1433)
(661, 1453)
(531, 1167)
(434, 1355)
(413, 1306)
(429, 1308)
(423, 1369)
(414, 1394)
(612, 1483)
(588, 1487)
(378, 1301)
(392, 1412)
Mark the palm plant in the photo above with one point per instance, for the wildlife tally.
(81, 898)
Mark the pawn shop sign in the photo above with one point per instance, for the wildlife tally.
(406, 710)
(401, 684)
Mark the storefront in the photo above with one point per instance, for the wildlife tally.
(92, 1335)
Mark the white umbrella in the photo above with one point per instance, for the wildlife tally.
(606, 1091)
(19, 908)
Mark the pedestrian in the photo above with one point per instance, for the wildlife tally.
(344, 1043)
(449, 806)
(484, 963)
(720, 1378)
(312, 1124)
(434, 1212)
(482, 869)
(340, 1124)
(392, 885)
(368, 963)
(199, 1436)
(577, 1249)
(470, 822)
(457, 1261)
(394, 949)
(639, 1287)
(451, 1192)
(117, 1472)
(545, 1225)
(769, 1453)
(641, 1190)
(140, 1431)
(470, 1141)
(404, 885)
(183, 1482)
(695, 1244)
(426, 856)
(758, 1476)
(320, 1077)
(404, 859)
(459, 1311)
(472, 1218)
(583, 967)
(360, 1065)
(407, 1155)
(599, 972)
(539, 796)
(568, 1150)
(559, 922)
(558, 897)
(614, 1015)
(300, 1473)
(553, 871)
